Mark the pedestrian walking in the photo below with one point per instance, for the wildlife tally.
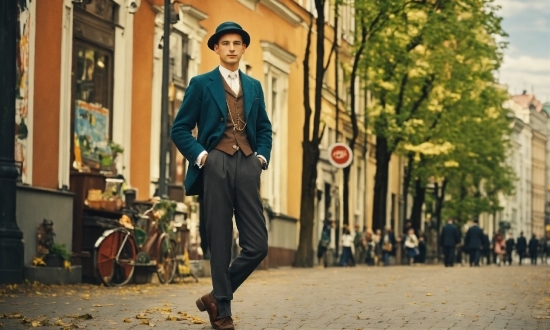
(473, 241)
(376, 237)
(510, 243)
(493, 242)
(232, 147)
(543, 249)
(420, 258)
(359, 244)
(324, 242)
(486, 248)
(388, 244)
(521, 247)
(533, 249)
(499, 249)
(369, 248)
(406, 228)
(411, 246)
(346, 259)
(448, 240)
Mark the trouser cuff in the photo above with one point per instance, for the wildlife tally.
(224, 307)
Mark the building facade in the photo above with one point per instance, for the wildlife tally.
(517, 207)
(89, 81)
(531, 110)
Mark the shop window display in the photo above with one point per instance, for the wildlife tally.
(92, 116)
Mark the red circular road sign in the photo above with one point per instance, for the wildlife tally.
(340, 155)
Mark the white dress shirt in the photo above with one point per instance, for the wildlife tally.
(232, 79)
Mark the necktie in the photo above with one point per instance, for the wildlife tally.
(233, 82)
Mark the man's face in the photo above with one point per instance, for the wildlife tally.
(230, 48)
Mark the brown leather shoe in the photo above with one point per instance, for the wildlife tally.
(225, 323)
(208, 303)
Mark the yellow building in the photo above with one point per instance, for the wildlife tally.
(104, 56)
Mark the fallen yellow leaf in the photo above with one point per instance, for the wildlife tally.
(196, 320)
(127, 320)
(59, 322)
(428, 294)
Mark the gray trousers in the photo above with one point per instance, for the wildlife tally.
(232, 187)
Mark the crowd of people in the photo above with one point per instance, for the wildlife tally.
(474, 247)
(480, 249)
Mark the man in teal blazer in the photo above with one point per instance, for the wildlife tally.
(204, 106)
(226, 159)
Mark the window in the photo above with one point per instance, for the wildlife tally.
(92, 93)
(276, 69)
(92, 75)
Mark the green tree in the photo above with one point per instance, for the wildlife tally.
(312, 134)
(417, 68)
(468, 167)
(370, 18)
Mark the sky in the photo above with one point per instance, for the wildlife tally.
(527, 58)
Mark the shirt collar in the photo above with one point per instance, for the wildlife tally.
(225, 73)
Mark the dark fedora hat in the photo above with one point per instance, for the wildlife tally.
(225, 28)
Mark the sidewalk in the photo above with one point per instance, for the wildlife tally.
(418, 297)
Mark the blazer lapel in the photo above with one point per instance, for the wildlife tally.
(217, 91)
(248, 91)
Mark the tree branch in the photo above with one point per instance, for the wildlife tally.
(307, 104)
(401, 95)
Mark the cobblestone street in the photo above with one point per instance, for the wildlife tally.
(418, 297)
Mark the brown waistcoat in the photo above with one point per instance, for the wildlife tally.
(232, 137)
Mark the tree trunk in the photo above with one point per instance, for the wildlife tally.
(406, 185)
(418, 202)
(383, 156)
(310, 157)
(461, 215)
(439, 199)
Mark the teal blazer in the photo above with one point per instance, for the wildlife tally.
(204, 106)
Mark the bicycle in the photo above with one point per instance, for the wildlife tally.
(144, 242)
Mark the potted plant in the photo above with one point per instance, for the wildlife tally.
(116, 149)
(58, 256)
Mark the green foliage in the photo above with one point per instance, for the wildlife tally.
(60, 250)
(115, 148)
(429, 67)
(166, 209)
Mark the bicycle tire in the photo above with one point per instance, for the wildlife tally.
(167, 263)
(114, 257)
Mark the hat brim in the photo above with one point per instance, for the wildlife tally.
(216, 36)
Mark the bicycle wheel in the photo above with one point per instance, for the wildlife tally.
(166, 262)
(115, 254)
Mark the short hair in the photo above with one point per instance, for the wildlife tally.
(476, 220)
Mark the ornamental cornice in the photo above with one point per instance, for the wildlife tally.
(282, 11)
(277, 56)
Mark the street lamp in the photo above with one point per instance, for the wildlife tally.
(11, 237)
(170, 17)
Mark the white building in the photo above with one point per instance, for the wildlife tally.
(517, 208)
